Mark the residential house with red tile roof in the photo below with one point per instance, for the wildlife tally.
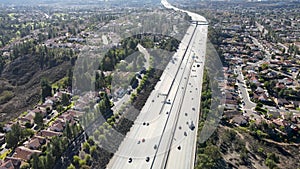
(48, 133)
(7, 165)
(24, 153)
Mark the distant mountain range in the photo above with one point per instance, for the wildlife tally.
(76, 2)
(117, 2)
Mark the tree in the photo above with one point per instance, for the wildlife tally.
(65, 100)
(11, 140)
(68, 131)
(49, 161)
(204, 162)
(38, 119)
(93, 151)
(59, 108)
(68, 81)
(104, 105)
(134, 83)
(213, 152)
(14, 136)
(35, 161)
(86, 147)
(76, 160)
(1, 127)
(270, 163)
(88, 159)
(46, 89)
(57, 147)
(264, 66)
(71, 166)
(25, 166)
(85, 166)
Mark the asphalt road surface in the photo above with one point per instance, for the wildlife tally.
(164, 134)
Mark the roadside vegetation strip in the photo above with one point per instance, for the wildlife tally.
(207, 154)
(102, 136)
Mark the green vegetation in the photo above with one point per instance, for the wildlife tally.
(6, 96)
(38, 120)
(55, 148)
(272, 161)
(208, 154)
(46, 89)
(205, 96)
(16, 135)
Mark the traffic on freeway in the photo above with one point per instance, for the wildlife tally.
(164, 134)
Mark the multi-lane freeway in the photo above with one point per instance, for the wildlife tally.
(164, 134)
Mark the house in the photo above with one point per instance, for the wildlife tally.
(280, 85)
(40, 110)
(296, 119)
(7, 126)
(240, 120)
(58, 95)
(263, 97)
(58, 126)
(231, 113)
(281, 101)
(24, 153)
(296, 104)
(278, 122)
(230, 95)
(233, 102)
(35, 143)
(46, 107)
(231, 106)
(7, 165)
(51, 100)
(68, 117)
(274, 114)
(15, 161)
(288, 81)
(294, 69)
(253, 79)
(28, 118)
(48, 133)
(272, 74)
(259, 90)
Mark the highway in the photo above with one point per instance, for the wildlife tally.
(162, 136)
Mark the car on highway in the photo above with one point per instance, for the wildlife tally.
(179, 147)
(191, 125)
(130, 160)
(147, 159)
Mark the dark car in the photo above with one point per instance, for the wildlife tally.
(147, 159)
(179, 147)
